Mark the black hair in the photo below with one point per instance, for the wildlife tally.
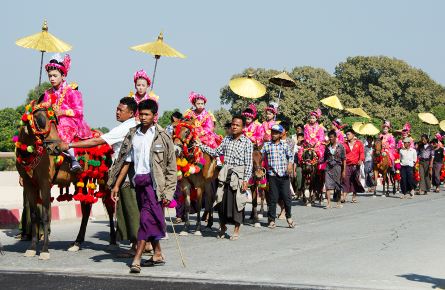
(350, 131)
(150, 105)
(299, 126)
(300, 135)
(424, 136)
(50, 67)
(369, 137)
(249, 111)
(177, 115)
(239, 117)
(227, 125)
(434, 141)
(286, 125)
(130, 103)
(332, 133)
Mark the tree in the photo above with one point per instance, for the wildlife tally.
(222, 116)
(164, 120)
(9, 120)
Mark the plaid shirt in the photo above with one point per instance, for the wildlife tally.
(236, 152)
(278, 157)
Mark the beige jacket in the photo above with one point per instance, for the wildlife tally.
(235, 183)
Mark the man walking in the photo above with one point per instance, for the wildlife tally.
(354, 159)
(408, 158)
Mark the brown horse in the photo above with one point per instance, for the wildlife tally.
(257, 188)
(37, 154)
(184, 139)
(313, 178)
(382, 165)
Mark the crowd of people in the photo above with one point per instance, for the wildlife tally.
(144, 176)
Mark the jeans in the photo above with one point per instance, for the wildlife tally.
(278, 189)
(407, 179)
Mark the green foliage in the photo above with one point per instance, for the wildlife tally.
(7, 164)
(102, 129)
(222, 116)
(164, 120)
(35, 93)
(9, 119)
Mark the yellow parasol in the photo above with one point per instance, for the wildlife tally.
(358, 112)
(333, 102)
(368, 129)
(158, 48)
(428, 118)
(247, 87)
(45, 42)
(356, 127)
(442, 125)
(282, 80)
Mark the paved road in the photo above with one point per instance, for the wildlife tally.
(379, 243)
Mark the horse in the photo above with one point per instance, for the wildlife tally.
(41, 164)
(258, 186)
(197, 173)
(382, 165)
(312, 177)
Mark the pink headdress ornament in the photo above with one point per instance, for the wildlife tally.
(273, 107)
(193, 97)
(58, 63)
(338, 124)
(407, 127)
(250, 112)
(438, 136)
(316, 113)
(141, 74)
(386, 124)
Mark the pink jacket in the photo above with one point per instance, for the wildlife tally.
(266, 129)
(205, 126)
(71, 122)
(255, 132)
(389, 144)
(314, 136)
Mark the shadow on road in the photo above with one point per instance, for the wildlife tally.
(436, 282)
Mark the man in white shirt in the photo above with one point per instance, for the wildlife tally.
(408, 157)
(127, 212)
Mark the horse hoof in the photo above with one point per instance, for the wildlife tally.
(260, 215)
(74, 248)
(182, 233)
(257, 225)
(44, 256)
(30, 253)
(198, 233)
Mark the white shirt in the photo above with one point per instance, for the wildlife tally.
(408, 157)
(116, 136)
(140, 153)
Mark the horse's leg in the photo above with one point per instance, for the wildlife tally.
(110, 211)
(376, 177)
(45, 191)
(86, 210)
(210, 196)
(186, 190)
(200, 190)
(262, 193)
(253, 213)
(32, 194)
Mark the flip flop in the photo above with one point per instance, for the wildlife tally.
(135, 268)
(272, 225)
(152, 263)
(290, 223)
(234, 237)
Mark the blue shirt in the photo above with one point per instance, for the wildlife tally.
(278, 157)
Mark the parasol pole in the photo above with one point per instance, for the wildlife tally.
(154, 71)
(41, 66)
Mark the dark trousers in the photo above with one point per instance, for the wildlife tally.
(437, 171)
(278, 189)
(425, 178)
(407, 179)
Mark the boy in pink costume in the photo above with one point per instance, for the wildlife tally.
(405, 134)
(253, 129)
(337, 126)
(141, 83)
(204, 120)
(67, 104)
(271, 112)
(388, 141)
(314, 133)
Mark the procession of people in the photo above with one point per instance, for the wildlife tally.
(149, 161)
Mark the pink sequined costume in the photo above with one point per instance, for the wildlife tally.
(314, 136)
(267, 125)
(405, 133)
(141, 74)
(68, 100)
(204, 122)
(388, 142)
(254, 130)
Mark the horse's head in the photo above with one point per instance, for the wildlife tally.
(42, 125)
(184, 136)
(309, 158)
(378, 146)
(258, 170)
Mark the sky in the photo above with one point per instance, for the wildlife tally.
(219, 38)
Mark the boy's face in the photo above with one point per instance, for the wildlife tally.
(332, 138)
(237, 126)
(385, 129)
(146, 117)
(312, 119)
(249, 120)
(300, 139)
(349, 136)
(141, 86)
(269, 115)
(275, 135)
(406, 145)
(55, 78)
(123, 113)
(369, 141)
(199, 104)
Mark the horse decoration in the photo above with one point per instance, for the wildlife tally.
(196, 172)
(41, 165)
(258, 186)
(382, 165)
(313, 177)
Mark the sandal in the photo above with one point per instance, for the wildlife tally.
(290, 223)
(354, 200)
(221, 234)
(152, 263)
(234, 237)
(272, 225)
(135, 268)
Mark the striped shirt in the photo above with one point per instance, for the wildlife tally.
(236, 152)
(278, 157)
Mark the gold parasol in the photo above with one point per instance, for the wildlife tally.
(332, 102)
(282, 80)
(428, 118)
(356, 127)
(247, 87)
(442, 125)
(45, 42)
(358, 112)
(368, 129)
(158, 48)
